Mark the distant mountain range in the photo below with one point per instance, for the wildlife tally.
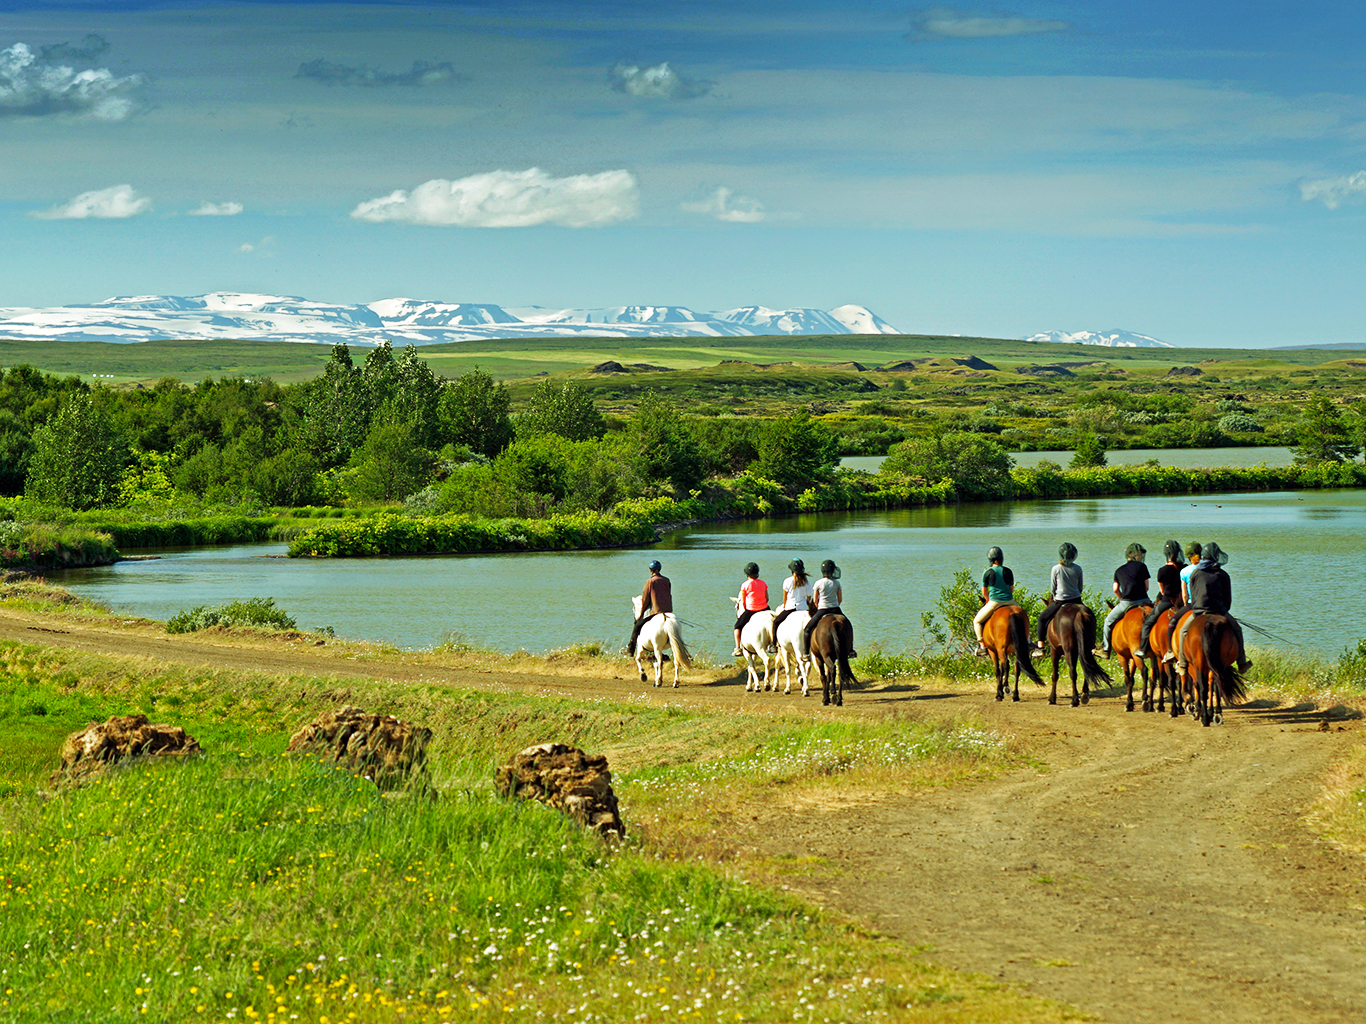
(231, 315)
(1113, 338)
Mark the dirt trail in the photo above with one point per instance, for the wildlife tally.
(1154, 871)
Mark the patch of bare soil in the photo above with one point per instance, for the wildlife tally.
(1150, 871)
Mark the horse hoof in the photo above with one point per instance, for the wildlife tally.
(1053, 701)
(1000, 696)
(1016, 698)
(1086, 698)
(643, 677)
(1076, 703)
(1129, 706)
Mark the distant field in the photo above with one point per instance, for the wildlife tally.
(511, 359)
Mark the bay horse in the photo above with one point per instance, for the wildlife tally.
(659, 632)
(755, 637)
(1124, 641)
(1005, 633)
(1072, 632)
(1159, 642)
(831, 643)
(1211, 649)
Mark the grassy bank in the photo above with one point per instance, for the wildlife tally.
(246, 886)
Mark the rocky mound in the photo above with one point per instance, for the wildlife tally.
(101, 744)
(567, 779)
(610, 366)
(1184, 371)
(390, 752)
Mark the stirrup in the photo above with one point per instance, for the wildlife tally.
(737, 653)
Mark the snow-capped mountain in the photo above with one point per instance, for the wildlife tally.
(401, 321)
(1113, 338)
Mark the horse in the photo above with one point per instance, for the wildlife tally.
(1158, 643)
(1124, 641)
(1073, 632)
(755, 637)
(659, 632)
(1211, 649)
(1005, 633)
(1183, 698)
(790, 657)
(831, 642)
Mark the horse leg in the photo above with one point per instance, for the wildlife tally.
(1128, 681)
(640, 649)
(1053, 694)
(1016, 697)
(1072, 668)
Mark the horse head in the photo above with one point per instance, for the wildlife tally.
(635, 606)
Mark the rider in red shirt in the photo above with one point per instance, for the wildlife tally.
(753, 598)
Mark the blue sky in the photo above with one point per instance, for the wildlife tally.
(1193, 171)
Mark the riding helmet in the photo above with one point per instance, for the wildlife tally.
(995, 554)
(1172, 551)
(654, 565)
(1067, 551)
(1212, 552)
(829, 568)
(752, 570)
(1135, 551)
(797, 566)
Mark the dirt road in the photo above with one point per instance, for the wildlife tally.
(1153, 871)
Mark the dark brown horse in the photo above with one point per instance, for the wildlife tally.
(1072, 632)
(1211, 649)
(1124, 641)
(831, 643)
(1159, 643)
(1006, 633)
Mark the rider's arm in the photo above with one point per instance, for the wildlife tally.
(839, 594)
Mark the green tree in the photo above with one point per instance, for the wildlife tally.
(474, 413)
(78, 458)
(389, 465)
(1090, 451)
(335, 410)
(1324, 436)
(977, 464)
(663, 447)
(566, 409)
(796, 451)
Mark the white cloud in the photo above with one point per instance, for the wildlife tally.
(246, 247)
(949, 23)
(33, 87)
(208, 209)
(1333, 192)
(659, 82)
(511, 199)
(723, 204)
(113, 203)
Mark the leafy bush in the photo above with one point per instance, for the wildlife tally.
(255, 611)
(1239, 423)
(977, 466)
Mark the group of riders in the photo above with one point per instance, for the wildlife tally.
(1192, 580)
(821, 597)
(1199, 586)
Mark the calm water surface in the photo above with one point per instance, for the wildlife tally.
(894, 564)
(1181, 458)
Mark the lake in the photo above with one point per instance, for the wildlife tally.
(1181, 458)
(894, 563)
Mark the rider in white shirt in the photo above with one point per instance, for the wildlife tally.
(796, 589)
(827, 595)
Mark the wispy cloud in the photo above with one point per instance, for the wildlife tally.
(32, 86)
(511, 199)
(659, 82)
(422, 73)
(950, 23)
(90, 49)
(208, 209)
(113, 203)
(1333, 192)
(723, 204)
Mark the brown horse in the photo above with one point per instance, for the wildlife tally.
(1211, 649)
(1007, 633)
(1073, 632)
(831, 643)
(1183, 698)
(1124, 642)
(1159, 643)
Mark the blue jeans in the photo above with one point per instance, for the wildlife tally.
(1117, 613)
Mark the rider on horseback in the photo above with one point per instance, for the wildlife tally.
(1174, 620)
(796, 590)
(1211, 593)
(998, 590)
(827, 595)
(1064, 587)
(1169, 592)
(1130, 586)
(655, 599)
(753, 598)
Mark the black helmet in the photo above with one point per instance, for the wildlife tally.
(1172, 552)
(995, 554)
(797, 566)
(1135, 552)
(751, 569)
(1067, 551)
(654, 565)
(829, 568)
(1193, 549)
(1211, 552)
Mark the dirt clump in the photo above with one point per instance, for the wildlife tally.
(567, 779)
(388, 751)
(101, 744)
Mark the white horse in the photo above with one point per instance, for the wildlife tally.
(659, 632)
(790, 655)
(755, 637)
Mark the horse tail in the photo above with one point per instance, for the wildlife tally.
(675, 631)
(846, 635)
(1084, 636)
(1230, 683)
(1019, 639)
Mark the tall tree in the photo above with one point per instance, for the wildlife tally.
(78, 457)
(474, 413)
(1324, 436)
(566, 409)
